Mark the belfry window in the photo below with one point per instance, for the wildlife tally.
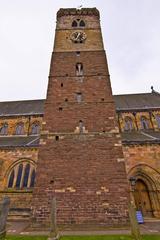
(79, 69)
(144, 123)
(19, 129)
(82, 23)
(4, 129)
(22, 176)
(74, 23)
(78, 23)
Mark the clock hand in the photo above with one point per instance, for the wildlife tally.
(78, 36)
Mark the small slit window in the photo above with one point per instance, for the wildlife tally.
(79, 69)
(79, 97)
(81, 126)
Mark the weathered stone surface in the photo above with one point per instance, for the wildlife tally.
(80, 168)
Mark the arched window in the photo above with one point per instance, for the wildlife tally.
(78, 23)
(74, 23)
(82, 23)
(128, 124)
(35, 128)
(144, 123)
(4, 129)
(19, 129)
(158, 120)
(22, 176)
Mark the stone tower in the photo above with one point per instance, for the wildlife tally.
(80, 158)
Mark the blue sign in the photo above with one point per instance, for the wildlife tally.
(139, 217)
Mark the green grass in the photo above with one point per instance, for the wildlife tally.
(108, 237)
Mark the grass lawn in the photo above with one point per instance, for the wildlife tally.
(108, 237)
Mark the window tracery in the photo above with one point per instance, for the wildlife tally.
(22, 176)
(78, 23)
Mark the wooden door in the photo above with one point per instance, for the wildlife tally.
(142, 199)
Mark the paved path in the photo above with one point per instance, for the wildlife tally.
(20, 228)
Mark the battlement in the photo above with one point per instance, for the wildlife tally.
(75, 11)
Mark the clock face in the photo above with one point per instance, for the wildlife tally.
(78, 37)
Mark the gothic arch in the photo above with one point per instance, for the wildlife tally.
(25, 163)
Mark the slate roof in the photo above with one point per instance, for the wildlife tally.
(127, 102)
(140, 137)
(141, 101)
(28, 107)
(19, 141)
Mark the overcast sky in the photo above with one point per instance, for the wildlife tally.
(131, 32)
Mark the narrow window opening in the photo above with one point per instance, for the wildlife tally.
(60, 108)
(61, 84)
(57, 138)
(81, 126)
(66, 99)
(102, 99)
(79, 97)
(79, 69)
(78, 53)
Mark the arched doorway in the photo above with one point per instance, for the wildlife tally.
(142, 198)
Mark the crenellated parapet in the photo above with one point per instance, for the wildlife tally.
(76, 12)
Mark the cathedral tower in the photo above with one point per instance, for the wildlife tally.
(80, 158)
